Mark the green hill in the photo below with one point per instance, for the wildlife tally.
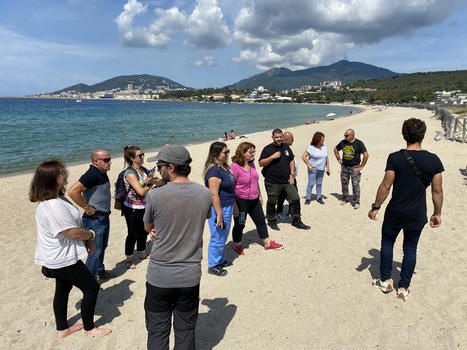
(285, 79)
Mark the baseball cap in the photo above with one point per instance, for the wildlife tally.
(173, 154)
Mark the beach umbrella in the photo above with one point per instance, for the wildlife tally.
(330, 114)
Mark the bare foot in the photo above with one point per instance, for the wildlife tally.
(99, 331)
(130, 265)
(70, 330)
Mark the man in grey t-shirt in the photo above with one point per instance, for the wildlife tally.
(175, 215)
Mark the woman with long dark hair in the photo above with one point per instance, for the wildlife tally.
(61, 244)
(221, 182)
(138, 182)
(317, 161)
(248, 197)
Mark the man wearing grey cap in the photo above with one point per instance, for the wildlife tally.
(175, 215)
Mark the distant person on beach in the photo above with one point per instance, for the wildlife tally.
(226, 137)
(351, 168)
(248, 198)
(317, 161)
(288, 140)
(92, 193)
(277, 161)
(138, 182)
(411, 171)
(61, 244)
(232, 135)
(175, 215)
(221, 182)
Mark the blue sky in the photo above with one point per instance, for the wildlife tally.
(48, 45)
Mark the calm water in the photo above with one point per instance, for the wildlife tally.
(34, 129)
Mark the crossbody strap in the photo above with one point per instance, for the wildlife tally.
(415, 168)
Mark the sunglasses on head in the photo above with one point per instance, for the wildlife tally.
(105, 160)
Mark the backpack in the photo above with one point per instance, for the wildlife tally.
(120, 189)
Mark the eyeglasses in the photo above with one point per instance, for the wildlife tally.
(105, 160)
(140, 156)
(161, 164)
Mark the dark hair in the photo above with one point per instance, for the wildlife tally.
(316, 138)
(214, 150)
(44, 184)
(413, 130)
(277, 131)
(242, 148)
(182, 170)
(129, 152)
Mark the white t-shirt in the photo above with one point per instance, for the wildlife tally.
(53, 249)
(317, 157)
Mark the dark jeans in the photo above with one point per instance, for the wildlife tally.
(281, 200)
(411, 237)
(136, 232)
(255, 210)
(100, 224)
(77, 275)
(159, 305)
(274, 190)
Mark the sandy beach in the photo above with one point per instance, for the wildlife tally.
(314, 294)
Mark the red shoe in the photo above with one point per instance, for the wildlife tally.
(239, 249)
(274, 245)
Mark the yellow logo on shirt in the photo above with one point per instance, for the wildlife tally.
(348, 152)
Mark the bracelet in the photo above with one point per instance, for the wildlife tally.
(93, 235)
(374, 207)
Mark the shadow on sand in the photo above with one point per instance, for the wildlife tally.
(250, 237)
(211, 326)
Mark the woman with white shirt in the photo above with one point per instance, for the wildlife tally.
(317, 160)
(61, 244)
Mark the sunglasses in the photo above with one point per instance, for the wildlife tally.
(140, 156)
(105, 160)
(347, 135)
(161, 164)
(226, 152)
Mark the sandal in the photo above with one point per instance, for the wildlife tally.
(146, 256)
(130, 265)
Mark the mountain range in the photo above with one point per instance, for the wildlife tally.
(285, 79)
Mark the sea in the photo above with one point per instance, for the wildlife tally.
(33, 129)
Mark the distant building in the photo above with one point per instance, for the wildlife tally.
(260, 89)
(333, 84)
(129, 87)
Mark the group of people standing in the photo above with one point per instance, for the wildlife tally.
(174, 215)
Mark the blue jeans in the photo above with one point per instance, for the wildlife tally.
(100, 225)
(218, 236)
(315, 177)
(409, 246)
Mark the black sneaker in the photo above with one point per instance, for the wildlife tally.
(320, 201)
(273, 225)
(299, 224)
(218, 271)
(307, 201)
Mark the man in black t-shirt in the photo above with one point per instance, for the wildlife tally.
(411, 171)
(92, 193)
(277, 161)
(352, 149)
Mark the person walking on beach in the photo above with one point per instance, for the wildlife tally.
(221, 182)
(92, 193)
(138, 182)
(277, 161)
(411, 171)
(288, 140)
(317, 161)
(351, 168)
(175, 217)
(248, 198)
(61, 244)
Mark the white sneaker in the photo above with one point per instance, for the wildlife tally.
(403, 293)
(385, 286)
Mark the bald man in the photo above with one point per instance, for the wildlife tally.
(288, 140)
(92, 193)
(351, 165)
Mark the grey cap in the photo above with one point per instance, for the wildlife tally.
(173, 154)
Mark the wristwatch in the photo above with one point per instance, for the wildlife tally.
(374, 207)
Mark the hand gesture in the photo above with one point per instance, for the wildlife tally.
(276, 155)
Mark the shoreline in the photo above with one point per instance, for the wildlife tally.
(358, 109)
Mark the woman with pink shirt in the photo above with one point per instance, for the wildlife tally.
(248, 197)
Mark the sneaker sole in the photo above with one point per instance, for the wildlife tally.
(402, 296)
(386, 290)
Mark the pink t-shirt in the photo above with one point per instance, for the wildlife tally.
(246, 186)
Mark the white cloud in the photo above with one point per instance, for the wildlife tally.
(300, 33)
(207, 61)
(203, 28)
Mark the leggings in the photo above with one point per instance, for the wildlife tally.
(79, 276)
(254, 209)
(136, 232)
